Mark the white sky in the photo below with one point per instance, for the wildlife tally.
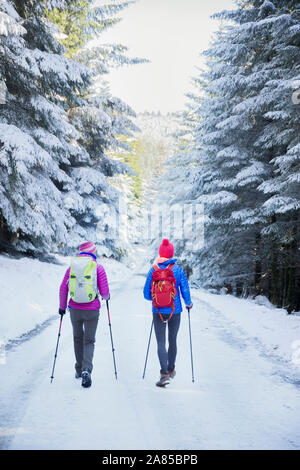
(169, 33)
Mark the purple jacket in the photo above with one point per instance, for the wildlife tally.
(95, 304)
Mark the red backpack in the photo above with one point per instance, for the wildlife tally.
(163, 289)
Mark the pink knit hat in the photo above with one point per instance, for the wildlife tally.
(166, 249)
(87, 247)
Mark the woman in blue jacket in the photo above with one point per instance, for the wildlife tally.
(167, 357)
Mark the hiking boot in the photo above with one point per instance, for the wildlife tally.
(172, 373)
(164, 379)
(86, 379)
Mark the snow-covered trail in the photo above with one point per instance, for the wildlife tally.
(238, 399)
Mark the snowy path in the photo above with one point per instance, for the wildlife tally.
(239, 399)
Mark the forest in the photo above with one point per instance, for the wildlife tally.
(68, 148)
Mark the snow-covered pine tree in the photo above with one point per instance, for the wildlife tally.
(175, 183)
(245, 124)
(55, 188)
(280, 140)
(100, 122)
(270, 32)
(37, 140)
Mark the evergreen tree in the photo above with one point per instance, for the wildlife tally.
(56, 129)
(100, 122)
(37, 140)
(245, 140)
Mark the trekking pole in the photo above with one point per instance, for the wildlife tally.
(191, 345)
(55, 355)
(148, 350)
(111, 339)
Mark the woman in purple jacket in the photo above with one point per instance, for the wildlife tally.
(84, 315)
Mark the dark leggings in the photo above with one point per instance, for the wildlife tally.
(166, 358)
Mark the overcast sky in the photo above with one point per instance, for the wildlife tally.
(171, 34)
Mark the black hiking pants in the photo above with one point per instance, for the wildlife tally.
(166, 357)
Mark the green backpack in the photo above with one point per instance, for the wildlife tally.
(83, 279)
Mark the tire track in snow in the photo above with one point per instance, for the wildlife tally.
(237, 338)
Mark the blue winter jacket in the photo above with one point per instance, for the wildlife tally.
(181, 284)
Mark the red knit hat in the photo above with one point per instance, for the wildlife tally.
(166, 249)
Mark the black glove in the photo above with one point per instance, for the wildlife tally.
(61, 311)
(188, 307)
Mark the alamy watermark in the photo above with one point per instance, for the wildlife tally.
(183, 222)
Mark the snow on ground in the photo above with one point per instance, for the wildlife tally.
(276, 330)
(242, 398)
(29, 294)
(30, 297)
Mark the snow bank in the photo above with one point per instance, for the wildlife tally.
(274, 328)
(29, 294)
